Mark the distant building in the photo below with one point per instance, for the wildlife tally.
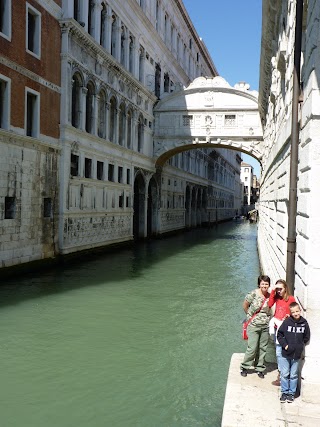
(246, 177)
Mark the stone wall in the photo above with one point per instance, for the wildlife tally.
(276, 96)
(28, 200)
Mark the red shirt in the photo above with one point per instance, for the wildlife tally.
(282, 306)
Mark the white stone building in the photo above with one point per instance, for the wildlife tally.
(289, 242)
(117, 60)
(246, 177)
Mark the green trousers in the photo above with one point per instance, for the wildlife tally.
(258, 337)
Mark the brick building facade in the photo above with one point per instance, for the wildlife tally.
(29, 134)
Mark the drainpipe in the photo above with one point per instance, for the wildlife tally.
(292, 208)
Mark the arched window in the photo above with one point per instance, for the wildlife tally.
(76, 101)
(141, 64)
(157, 16)
(131, 54)
(89, 107)
(129, 129)
(102, 115)
(112, 118)
(113, 35)
(140, 133)
(122, 124)
(103, 18)
(122, 52)
(76, 10)
(91, 18)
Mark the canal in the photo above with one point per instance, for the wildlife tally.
(138, 338)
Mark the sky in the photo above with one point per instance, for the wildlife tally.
(231, 30)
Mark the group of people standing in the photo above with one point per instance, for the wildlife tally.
(288, 328)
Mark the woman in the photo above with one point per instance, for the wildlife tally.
(281, 297)
(256, 305)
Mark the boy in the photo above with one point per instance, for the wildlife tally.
(292, 335)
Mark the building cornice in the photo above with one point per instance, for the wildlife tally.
(29, 74)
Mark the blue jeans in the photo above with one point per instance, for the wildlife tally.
(288, 374)
(278, 354)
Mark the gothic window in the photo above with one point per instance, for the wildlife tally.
(122, 52)
(76, 10)
(113, 35)
(76, 100)
(131, 54)
(89, 107)
(157, 16)
(103, 19)
(91, 7)
(112, 118)
(141, 64)
(165, 28)
(122, 124)
(178, 46)
(129, 129)
(140, 133)
(102, 115)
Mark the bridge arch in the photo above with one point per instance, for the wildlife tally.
(209, 113)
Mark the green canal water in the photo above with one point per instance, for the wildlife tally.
(139, 338)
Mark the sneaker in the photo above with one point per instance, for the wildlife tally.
(260, 374)
(283, 398)
(244, 373)
(290, 398)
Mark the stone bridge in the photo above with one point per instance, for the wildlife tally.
(209, 113)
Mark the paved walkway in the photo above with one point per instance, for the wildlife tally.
(254, 402)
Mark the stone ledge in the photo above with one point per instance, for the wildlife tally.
(252, 401)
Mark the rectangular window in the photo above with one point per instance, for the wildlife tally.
(187, 120)
(128, 176)
(5, 19)
(74, 165)
(230, 120)
(120, 173)
(127, 202)
(32, 115)
(33, 31)
(87, 168)
(4, 102)
(100, 166)
(121, 201)
(47, 207)
(111, 172)
(9, 207)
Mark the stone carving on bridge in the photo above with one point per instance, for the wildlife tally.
(208, 112)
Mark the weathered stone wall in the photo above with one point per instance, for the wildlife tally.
(28, 176)
(276, 96)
